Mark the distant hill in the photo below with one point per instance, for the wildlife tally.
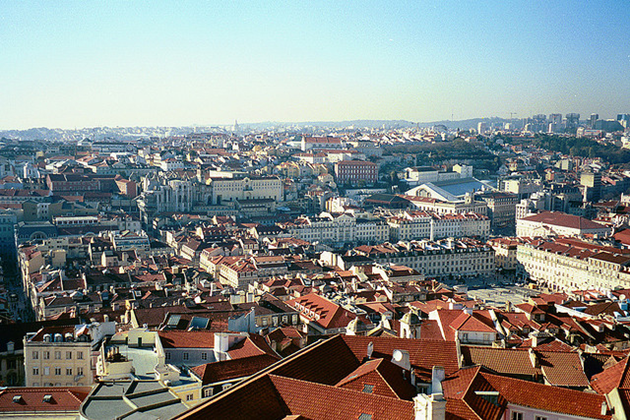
(98, 133)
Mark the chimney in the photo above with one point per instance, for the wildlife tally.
(429, 407)
(604, 409)
(533, 358)
(437, 376)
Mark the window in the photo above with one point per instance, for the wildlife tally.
(204, 356)
(185, 356)
(68, 355)
(79, 355)
(189, 397)
(46, 355)
(68, 371)
(80, 371)
(46, 371)
(35, 355)
(57, 355)
(541, 418)
(517, 416)
(168, 355)
(227, 386)
(57, 371)
(367, 388)
(36, 371)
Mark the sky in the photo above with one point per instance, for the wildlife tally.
(74, 64)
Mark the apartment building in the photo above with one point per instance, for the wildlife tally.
(551, 223)
(354, 171)
(329, 229)
(567, 264)
(249, 188)
(245, 271)
(464, 257)
(410, 225)
(62, 356)
(501, 208)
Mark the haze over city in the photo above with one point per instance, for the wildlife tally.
(84, 64)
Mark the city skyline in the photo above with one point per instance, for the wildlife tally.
(138, 64)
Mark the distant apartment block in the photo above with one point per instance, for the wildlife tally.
(354, 171)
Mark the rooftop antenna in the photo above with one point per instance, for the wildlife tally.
(512, 114)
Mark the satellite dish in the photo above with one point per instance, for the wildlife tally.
(398, 355)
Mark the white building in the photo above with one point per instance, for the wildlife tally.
(569, 264)
(551, 223)
(61, 356)
(439, 259)
(248, 188)
(410, 225)
(342, 229)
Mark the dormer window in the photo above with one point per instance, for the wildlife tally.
(47, 398)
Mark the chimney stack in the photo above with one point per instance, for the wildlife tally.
(437, 376)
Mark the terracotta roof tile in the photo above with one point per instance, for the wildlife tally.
(32, 399)
(186, 339)
(232, 369)
(612, 378)
(313, 401)
(423, 354)
(385, 378)
(548, 398)
(562, 368)
(504, 361)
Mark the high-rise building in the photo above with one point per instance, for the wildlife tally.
(573, 120)
(482, 127)
(555, 119)
(592, 183)
(592, 120)
(555, 123)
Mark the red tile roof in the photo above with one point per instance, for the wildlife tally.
(423, 354)
(510, 362)
(616, 376)
(232, 369)
(562, 368)
(322, 311)
(386, 379)
(463, 385)
(32, 399)
(186, 339)
(548, 398)
(253, 345)
(563, 219)
(317, 401)
(467, 322)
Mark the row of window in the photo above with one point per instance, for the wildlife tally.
(58, 371)
(46, 355)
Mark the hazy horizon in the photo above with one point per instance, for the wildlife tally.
(132, 63)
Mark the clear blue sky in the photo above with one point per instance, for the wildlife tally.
(125, 63)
